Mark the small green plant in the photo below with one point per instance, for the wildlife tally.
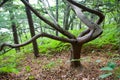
(52, 64)
(8, 69)
(31, 78)
(110, 70)
(8, 62)
(28, 68)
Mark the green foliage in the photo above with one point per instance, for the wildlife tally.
(4, 37)
(108, 37)
(52, 64)
(111, 65)
(110, 69)
(47, 45)
(105, 75)
(28, 68)
(8, 69)
(52, 46)
(10, 61)
(49, 65)
(8, 64)
(106, 68)
(118, 34)
(31, 77)
(77, 32)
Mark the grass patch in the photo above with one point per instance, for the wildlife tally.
(10, 61)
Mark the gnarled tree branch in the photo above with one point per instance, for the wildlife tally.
(101, 16)
(35, 37)
(94, 30)
(84, 32)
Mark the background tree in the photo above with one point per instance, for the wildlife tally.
(14, 29)
(32, 31)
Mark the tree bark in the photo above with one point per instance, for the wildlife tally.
(57, 14)
(14, 30)
(32, 31)
(75, 55)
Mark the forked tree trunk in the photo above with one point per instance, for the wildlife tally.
(75, 55)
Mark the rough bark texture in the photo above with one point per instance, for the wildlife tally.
(32, 31)
(57, 7)
(75, 55)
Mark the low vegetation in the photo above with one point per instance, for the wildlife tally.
(108, 62)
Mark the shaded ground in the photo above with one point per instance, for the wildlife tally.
(56, 67)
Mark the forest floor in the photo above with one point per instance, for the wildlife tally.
(57, 66)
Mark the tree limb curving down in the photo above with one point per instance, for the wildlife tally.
(36, 37)
(93, 30)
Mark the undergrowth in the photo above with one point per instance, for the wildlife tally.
(108, 36)
(10, 61)
(49, 46)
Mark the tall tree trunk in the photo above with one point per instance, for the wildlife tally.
(57, 15)
(32, 31)
(14, 30)
(75, 55)
(80, 25)
(66, 17)
(71, 26)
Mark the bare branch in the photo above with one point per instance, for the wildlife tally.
(36, 37)
(82, 17)
(55, 26)
(85, 38)
(94, 30)
(101, 16)
(84, 32)
(49, 12)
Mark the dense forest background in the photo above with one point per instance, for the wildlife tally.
(15, 28)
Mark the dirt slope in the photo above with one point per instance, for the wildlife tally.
(56, 67)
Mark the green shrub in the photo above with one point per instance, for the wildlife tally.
(10, 61)
(52, 46)
(108, 37)
(111, 69)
